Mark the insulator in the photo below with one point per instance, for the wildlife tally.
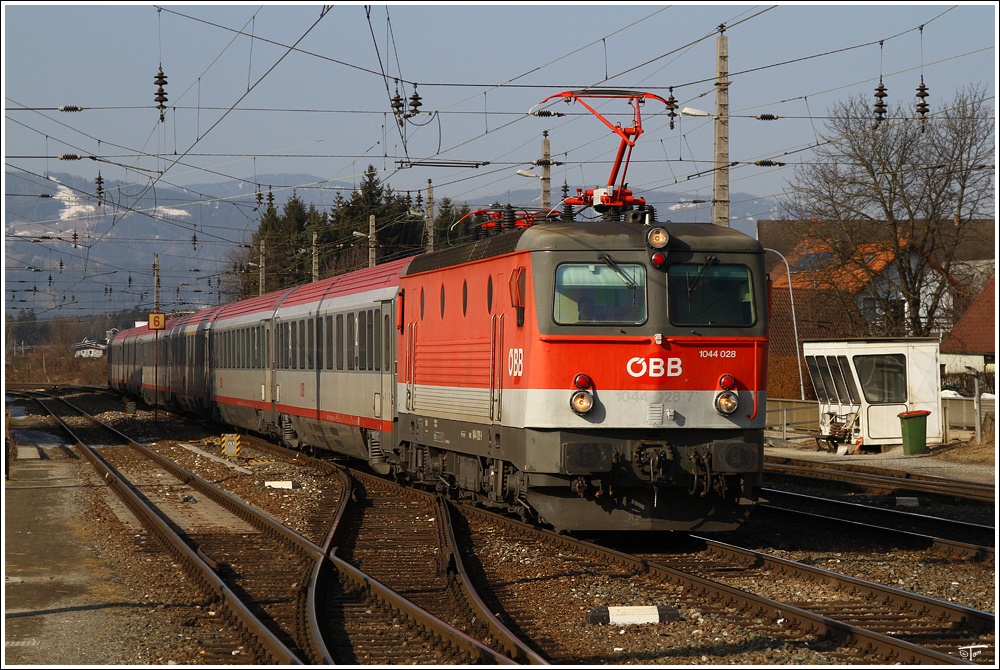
(270, 199)
(507, 219)
(70, 157)
(76, 238)
(672, 108)
(767, 117)
(160, 80)
(397, 104)
(60, 267)
(194, 242)
(922, 93)
(71, 108)
(415, 103)
(547, 112)
(130, 281)
(50, 279)
(769, 163)
(880, 108)
(260, 197)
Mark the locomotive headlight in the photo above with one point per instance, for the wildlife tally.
(581, 402)
(726, 403)
(657, 238)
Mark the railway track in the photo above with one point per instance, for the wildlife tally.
(857, 622)
(856, 604)
(280, 584)
(367, 623)
(895, 482)
(202, 539)
(945, 537)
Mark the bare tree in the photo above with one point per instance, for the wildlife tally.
(914, 185)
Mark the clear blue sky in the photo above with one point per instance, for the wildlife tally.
(242, 102)
(480, 67)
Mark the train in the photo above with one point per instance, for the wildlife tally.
(586, 375)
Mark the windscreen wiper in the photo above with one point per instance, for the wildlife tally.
(701, 272)
(613, 264)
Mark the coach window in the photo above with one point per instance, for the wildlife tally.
(328, 336)
(489, 295)
(350, 341)
(311, 346)
(279, 346)
(377, 340)
(465, 297)
(710, 294)
(370, 316)
(294, 349)
(340, 341)
(601, 293)
(362, 341)
(319, 343)
(387, 342)
(442, 301)
(302, 345)
(421, 303)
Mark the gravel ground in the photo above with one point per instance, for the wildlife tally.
(112, 619)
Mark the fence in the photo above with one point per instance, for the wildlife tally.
(802, 416)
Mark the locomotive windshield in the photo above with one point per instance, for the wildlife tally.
(710, 294)
(600, 293)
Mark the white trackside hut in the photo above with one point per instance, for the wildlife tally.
(864, 385)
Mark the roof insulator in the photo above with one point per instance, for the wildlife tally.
(71, 108)
(70, 157)
(767, 117)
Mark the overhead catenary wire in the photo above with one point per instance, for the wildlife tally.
(474, 176)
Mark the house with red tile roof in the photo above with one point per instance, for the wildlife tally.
(972, 342)
(829, 287)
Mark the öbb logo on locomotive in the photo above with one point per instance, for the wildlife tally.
(587, 375)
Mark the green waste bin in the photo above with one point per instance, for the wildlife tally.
(914, 431)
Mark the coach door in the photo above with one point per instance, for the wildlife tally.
(385, 403)
(268, 390)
